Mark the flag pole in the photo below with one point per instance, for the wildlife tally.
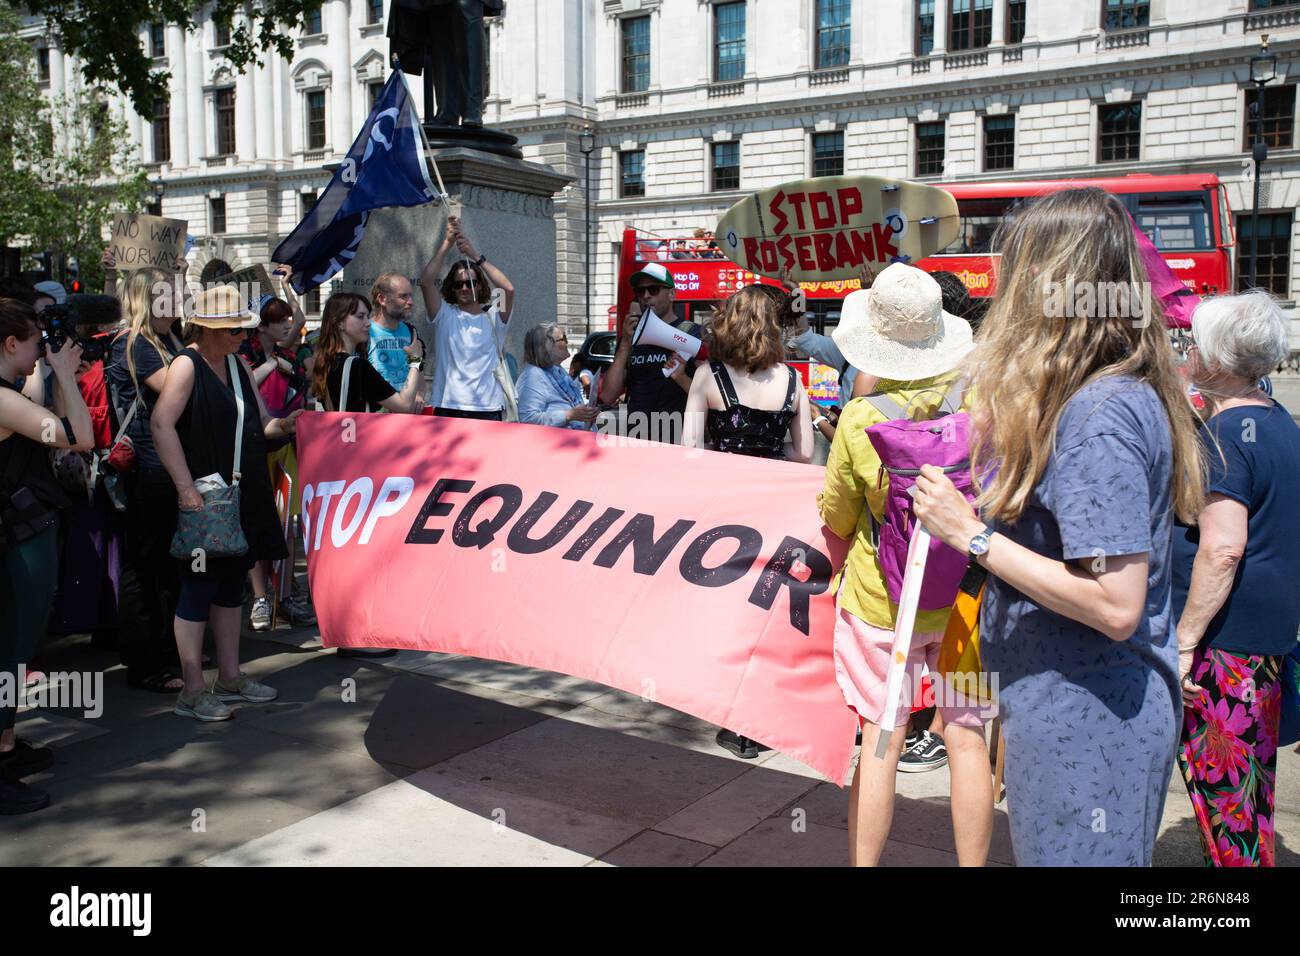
(428, 155)
(918, 551)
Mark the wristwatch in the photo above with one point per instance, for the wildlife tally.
(480, 260)
(979, 545)
(819, 419)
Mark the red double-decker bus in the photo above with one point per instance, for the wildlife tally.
(1186, 217)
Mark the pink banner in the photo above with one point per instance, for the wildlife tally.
(695, 579)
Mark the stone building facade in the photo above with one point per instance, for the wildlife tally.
(693, 103)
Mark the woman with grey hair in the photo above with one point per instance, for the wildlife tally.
(547, 394)
(1235, 572)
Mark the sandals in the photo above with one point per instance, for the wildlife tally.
(157, 683)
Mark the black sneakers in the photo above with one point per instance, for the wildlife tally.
(742, 747)
(22, 761)
(922, 752)
(18, 797)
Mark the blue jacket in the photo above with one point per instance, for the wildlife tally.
(541, 402)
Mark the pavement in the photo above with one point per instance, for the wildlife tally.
(432, 759)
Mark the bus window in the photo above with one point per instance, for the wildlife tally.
(980, 218)
(1175, 222)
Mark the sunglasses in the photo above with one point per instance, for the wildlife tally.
(648, 290)
(235, 333)
(463, 284)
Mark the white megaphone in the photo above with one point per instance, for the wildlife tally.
(652, 330)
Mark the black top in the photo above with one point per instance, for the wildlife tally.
(26, 464)
(366, 387)
(742, 430)
(118, 376)
(648, 390)
(207, 432)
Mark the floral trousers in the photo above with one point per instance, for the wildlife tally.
(1228, 755)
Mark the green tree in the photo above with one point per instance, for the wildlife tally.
(65, 166)
(104, 36)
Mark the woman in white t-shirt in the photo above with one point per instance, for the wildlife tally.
(468, 334)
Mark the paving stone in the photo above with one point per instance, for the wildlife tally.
(658, 849)
(595, 770)
(775, 842)
(432, 819)
(528, 681)
(404, 722)
(726, 813)
(45, 729)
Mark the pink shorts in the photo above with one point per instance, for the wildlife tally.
(862, 654)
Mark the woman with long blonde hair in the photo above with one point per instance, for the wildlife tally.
(1086, 446)
(135, 370)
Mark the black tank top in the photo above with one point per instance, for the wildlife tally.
(26, 464)
(742, 430)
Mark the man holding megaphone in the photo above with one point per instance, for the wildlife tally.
(655, 359)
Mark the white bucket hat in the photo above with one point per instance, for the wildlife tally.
(898, 329)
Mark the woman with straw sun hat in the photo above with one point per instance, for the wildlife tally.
(210, 423)
(907, 350)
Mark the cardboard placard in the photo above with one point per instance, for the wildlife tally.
(252, 283)
(140, 241)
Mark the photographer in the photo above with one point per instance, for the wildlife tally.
(29, 501)
(91, 530)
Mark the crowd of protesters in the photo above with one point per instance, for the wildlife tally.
(1139, 605)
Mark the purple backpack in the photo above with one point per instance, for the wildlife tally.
(904, 446)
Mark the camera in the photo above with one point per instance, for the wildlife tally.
(78, 319)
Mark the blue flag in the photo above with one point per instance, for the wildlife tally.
(384, 167)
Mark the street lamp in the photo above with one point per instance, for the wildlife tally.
(1263, 69)
(586, 145)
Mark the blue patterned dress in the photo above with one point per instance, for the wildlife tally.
(1091, 724)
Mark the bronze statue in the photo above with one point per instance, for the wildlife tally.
(446, 37)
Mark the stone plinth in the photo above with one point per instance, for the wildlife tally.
(507, 210)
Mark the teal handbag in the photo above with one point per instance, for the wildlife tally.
(214, 531)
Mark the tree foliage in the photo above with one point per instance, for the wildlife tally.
(105, 36)
(65, 166)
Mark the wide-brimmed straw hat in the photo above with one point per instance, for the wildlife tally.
(222, 307)
(898, 329)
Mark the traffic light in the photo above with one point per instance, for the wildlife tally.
(74, 276)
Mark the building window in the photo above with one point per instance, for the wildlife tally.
(1278, 121)
(1119, 132)
(1123, 14)
(631, 173)
(43, 64)
(999, 142)
(828, 154)
(971, 25)
(1274, 252)
(220, 35)
(929, 149)
(162, 130)
(217, 215)
(157, 40)
(375, 89)
(636, 54)
(726, 166)
(375, 11)
(487, 61)
(306, 199)
(832, 34)
(728, 42)
(1016, 21)
(316, 119)
(226, 122)
(311, 22)
(1265, 4)
(924, 27)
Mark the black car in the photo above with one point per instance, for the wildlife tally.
(597, 351)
